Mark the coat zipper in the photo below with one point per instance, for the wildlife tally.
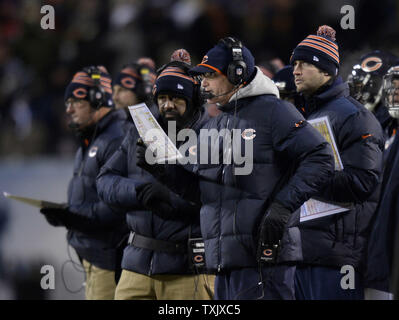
(150, 270)
(220, 229)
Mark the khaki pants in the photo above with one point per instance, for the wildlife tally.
(100, 283)
(135, 286)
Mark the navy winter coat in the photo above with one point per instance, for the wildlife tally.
(382, 238)
(117, 184)
(98, 243)
(284, 144)
(341, 239)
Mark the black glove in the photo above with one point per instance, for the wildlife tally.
(273, 224)
(55, 216)
(71, 220)
(156, 197)
(152, 192)
(155, 169)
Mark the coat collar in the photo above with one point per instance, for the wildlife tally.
(326, 94)
(260, 85)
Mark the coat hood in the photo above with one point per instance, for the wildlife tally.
(261, 84)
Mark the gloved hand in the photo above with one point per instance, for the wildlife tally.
(67, 218)
(152, 192)
(55, 216)
(141, 149)
(156, 197)
(155, 169)
(273, 224)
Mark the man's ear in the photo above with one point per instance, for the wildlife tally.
(326, 74)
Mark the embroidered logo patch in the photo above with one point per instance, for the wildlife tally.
(193, 150)
(80, 93)
(128, 82)
(248, 134)
(93, 151)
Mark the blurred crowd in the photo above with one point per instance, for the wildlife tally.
(37, 64)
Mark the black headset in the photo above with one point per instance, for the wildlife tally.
(237, 70)
(197, 99)
(143, 88)
(96, 93)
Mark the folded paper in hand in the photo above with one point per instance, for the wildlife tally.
(153, 135)
(34, 202)
(313, 208)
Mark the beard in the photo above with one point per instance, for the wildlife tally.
(173, 116)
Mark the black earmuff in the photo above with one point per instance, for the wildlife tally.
(237, 68)
(96, 93)
(143, 88)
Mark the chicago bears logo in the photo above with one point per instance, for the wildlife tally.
(267, 252)
(80, 93)
(371, 64)
(198, 258)
(93, 151)
(193, 150)
(128, 82)
(248, 134)
(204, 59)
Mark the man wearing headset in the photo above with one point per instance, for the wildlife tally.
(94, 230)
(156, 264)
(133, 84)
(291, 161)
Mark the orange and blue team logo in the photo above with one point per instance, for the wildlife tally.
(267, 252)
(80, 93)
(93, 151)
(371, 64)
(198, 258)
(248, 134)
(193, 150)
(128, 82)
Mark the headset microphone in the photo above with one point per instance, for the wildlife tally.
(209, 95)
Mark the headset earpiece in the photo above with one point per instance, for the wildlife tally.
(145, 74)
(143, 88)
(237, 68)
(96, 93)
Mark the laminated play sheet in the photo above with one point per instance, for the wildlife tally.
(34, 202)
(313, 208)
(153, 135)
